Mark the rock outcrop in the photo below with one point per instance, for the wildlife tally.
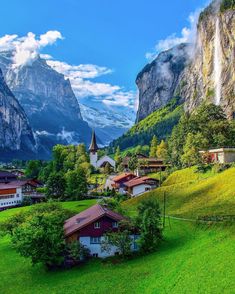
(159, 80)
(16, 135)
(49, 102)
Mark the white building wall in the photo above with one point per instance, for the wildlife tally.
(96, 248)
(11, 199)
(229, 157)
(94, 159)
(138, 190)
(106, 159)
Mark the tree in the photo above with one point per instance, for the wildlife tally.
(33, 168)
(149, 222)
(39, 234)
(107, 168)
(153, 147)
(76, 251)
(117, 157)
(133, 163)
(76, 184)
(120, 239)
(55, 186)
(162, 150)
(191, 155)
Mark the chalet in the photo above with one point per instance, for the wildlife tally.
(150, 165)
(120, 180)
(140, 185)
(220, 155)
(10, 195)
(90, 226)
(7, 177)
(146, 164)
(25, 188)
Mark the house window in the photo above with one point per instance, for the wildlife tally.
(95, 240)
(115, 225)
(97, 225)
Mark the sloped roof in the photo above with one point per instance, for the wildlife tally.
(6, 174)
(89, 216)
(139, 181)
(93, 147)
(122, 177)
(14, 184)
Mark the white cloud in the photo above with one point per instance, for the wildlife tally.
(7, 42)
(82, 71)
(188, 35)
(26, 49)
(46, 56)
(81, 77)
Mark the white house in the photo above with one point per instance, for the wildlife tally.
(140, 185)
(98, 163)
(10, 195)
(90, 226)
(221, 155)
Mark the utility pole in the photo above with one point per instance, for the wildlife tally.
(164, 209)
(160, 177)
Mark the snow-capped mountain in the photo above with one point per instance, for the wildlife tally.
(109, 122)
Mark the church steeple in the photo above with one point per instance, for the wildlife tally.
(93, 147)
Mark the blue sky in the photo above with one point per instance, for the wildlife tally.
(115, 34)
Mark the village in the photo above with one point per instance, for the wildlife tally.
(91, 226)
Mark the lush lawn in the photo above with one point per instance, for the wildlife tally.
(76, 206)
(191, 260)
(189, 194)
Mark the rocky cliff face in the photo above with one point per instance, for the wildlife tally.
(15, 132)
(158, 81)
(206, 74)
(49, 102)
(211, 75)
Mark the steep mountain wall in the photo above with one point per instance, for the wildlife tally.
(15, 133)
(211, 75)
(207, 73)
(159, 80)
(49, 102)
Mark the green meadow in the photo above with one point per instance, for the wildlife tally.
(191, 259)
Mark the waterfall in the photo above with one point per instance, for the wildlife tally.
(217, 63)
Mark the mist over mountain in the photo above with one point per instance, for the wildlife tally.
(202, 71)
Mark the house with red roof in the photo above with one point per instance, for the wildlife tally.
(90, 226)
(7, 177)
(120, 180)
(140, 185)
(10, 195)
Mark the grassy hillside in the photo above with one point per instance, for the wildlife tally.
(197, 260)
(192, 259)
(159, 123)
(191, 194)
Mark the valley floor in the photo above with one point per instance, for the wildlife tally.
(191, 260)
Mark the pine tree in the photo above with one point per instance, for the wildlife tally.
(162, 150)
(117, 157)
(153, 147)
